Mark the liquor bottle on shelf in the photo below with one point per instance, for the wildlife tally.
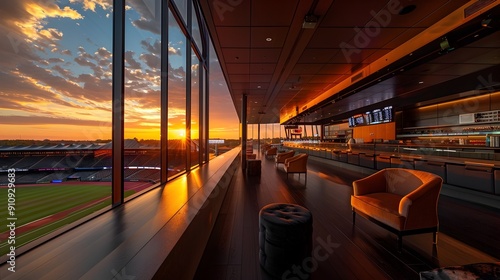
(487, 140)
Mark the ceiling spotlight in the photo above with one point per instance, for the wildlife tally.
(445, 45)
(407, 9)
(310, 21)
(269, 39)
(486, 22)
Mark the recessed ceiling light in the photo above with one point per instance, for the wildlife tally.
(258, 86)
(269, 39)
(407, 9)
(421, 82)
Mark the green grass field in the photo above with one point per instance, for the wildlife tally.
(37, 202)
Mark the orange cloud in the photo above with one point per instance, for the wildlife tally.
(92, 4)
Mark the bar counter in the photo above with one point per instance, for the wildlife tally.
(475, 168)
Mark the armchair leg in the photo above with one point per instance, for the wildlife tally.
(353, 216)
(434, 237)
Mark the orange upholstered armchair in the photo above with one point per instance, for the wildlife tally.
(403, 201)
(296, 164)
(271, 152)
(280, 157)
(265, 147)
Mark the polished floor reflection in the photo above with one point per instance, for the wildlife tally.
(366, 251)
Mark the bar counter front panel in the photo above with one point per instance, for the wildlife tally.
(472, 167)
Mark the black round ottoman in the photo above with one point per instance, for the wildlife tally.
(285, 237)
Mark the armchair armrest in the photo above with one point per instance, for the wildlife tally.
(296, 163)
(371, 184)
(291, 159)
(420, 206)
(281, 157)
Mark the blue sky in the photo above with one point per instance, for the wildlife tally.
(55, 74)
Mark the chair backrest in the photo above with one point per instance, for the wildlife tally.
(403, 181)
(272, 150)
(302, 158)
(287, 153)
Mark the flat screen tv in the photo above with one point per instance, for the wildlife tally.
(380, 115)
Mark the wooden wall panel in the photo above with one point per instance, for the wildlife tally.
(495, 101)
(468, 105)
(447, 114)
(385, 131)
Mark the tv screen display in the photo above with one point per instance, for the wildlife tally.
(359, 119)
(380, 115)
(352, 123)
(387, 114)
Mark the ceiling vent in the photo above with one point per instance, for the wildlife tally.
(476, 7)
(357, 77)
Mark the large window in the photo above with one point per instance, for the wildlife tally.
(195, 109)
(142, 95)
(61, 97)
(223, 120)
(177, 158)
(55, 111)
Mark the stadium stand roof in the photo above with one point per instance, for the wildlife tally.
(128, 143)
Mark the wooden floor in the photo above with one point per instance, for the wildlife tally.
(468, 232)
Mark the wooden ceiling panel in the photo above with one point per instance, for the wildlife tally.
(375, 55)
(374, 38)
(260, 93)
(260, 37)
(307, 68)
(335, 68)
(231, 55)
(345, 14)
(239, 86)
(273, 13)
(240, 69)
(260, 68)
(331, 79)
(317, 56)
(264, 55)
(315, 86)
(425, 14)
(259, 85)
(230, 14)
(403, 37)
(433, 14)
(260, 78)
(239, 78)
(331, 37)
(234, 37)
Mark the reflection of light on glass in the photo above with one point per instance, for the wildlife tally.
(479, 163)
(178, 196)
(453, 151)
(410, 149)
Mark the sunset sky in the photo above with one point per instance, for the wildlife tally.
(55, 75)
